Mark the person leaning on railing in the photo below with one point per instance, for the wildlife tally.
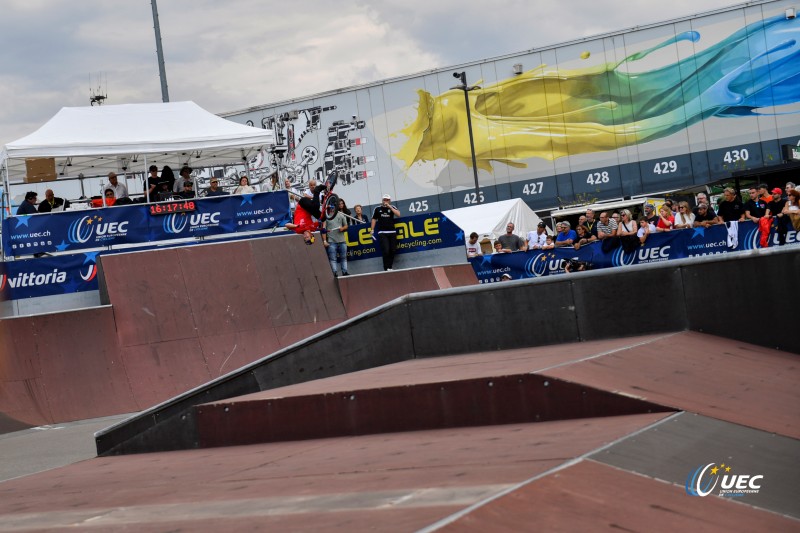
(52, 203)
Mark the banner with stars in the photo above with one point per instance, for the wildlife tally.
(135, 224)
(414, 234)
(658, 247)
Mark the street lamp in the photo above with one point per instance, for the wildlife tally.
(467, 88)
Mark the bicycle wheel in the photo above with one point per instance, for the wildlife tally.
(329, 206)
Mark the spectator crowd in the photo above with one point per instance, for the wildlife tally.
(773, 210)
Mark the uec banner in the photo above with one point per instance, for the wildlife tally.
(143, 223)
(68, 273)
(658, 247)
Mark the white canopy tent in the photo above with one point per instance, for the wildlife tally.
(489, 220)
(94, 141)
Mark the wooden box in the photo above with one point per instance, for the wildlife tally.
(38, 170)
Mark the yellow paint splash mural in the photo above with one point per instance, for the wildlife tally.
(550, 113)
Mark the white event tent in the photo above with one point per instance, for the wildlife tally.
(94, 141)
(489, 220)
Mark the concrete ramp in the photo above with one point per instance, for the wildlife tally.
(180, 317)
(368, 291)
(515, 315)
(176, 318)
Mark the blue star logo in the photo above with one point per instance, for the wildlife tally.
(699, 230)
(460, 236)
(247, 199)
(63, 246)
(91, 257)
(23, 221)
(487, 260)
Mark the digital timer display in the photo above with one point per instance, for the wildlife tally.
(167, 208)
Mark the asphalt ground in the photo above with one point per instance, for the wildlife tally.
(42, 448)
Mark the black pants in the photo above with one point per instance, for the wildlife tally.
(311, 206)
(388, 247)
(784, 224)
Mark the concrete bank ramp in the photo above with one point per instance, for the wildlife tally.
(177, 318)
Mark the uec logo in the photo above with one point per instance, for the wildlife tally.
(80, 231)
(112, 228)
(542, 264)
(177, 222)
(645, 255)
(700, 484)
(751, 240)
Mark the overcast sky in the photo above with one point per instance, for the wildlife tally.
(227, 55)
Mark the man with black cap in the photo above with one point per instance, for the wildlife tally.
(383, 219)
(28, 207)
(705, 216)
(188, 189)
(650, 214)
(537, 239)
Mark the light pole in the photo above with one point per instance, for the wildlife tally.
(162, 70)
(466, 88)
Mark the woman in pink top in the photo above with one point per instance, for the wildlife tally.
(665, 219)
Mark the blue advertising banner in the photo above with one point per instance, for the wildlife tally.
(61, 274)
(658, 247)
(48, 276)
(414, 234)
(142, 223)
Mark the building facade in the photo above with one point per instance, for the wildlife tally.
(658, 108)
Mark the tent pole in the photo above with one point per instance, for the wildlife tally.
(6, 188)
(144, 185)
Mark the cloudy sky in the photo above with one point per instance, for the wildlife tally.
(227, 55)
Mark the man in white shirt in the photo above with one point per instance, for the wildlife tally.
(473, 248)
(537, 239)
(120, 190)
